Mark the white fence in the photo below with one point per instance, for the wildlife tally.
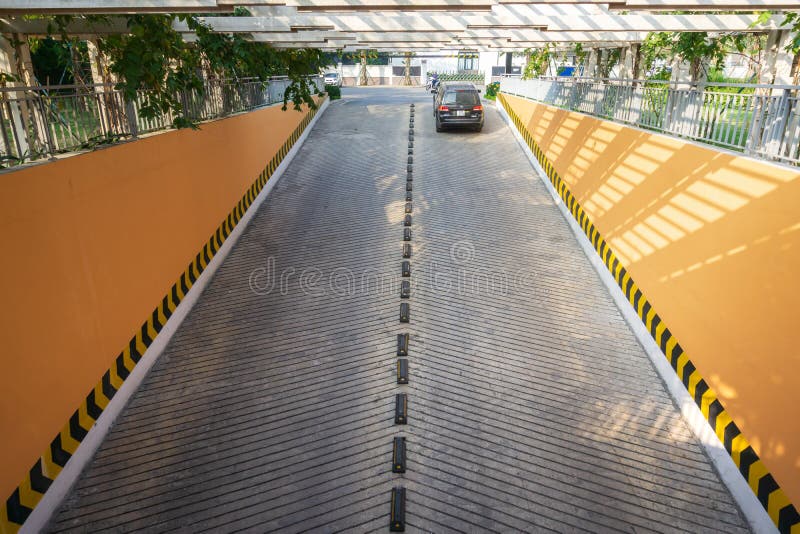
(39, 122)
(760, 120)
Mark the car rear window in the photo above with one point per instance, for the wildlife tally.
(332, 75)
(461, 97)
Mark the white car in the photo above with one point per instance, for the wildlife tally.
(333, 78)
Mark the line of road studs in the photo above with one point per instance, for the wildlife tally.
(397, 518)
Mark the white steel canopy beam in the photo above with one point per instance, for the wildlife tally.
(708, 5)
(534, 36)
(82, 7)
(512, 17)
(530, 36)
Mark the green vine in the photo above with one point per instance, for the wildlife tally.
(580, 54)
(538, 60)
(155, 65)
(698, 49)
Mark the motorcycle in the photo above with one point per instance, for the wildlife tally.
(432, 85)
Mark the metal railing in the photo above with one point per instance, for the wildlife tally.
(759, 120)
(40, 122)
(473, 76)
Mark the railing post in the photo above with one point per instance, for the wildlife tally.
(778, 126)
(44, 126)
(637, 93)
(18, 125)
(130, 114)
(754, 133)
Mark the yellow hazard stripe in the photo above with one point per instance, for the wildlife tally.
(32, 488)
(763, 484)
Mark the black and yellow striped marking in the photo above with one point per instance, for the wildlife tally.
(400, 409)
(399, 455)
(772, 497)
(405, 289)
(397, 515)
(402, 371)
(402, 344)
(39, 478)
(405, 312)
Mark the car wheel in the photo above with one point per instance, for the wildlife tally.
(478, 128)
(438, 126)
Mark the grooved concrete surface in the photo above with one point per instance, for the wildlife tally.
(531, 405)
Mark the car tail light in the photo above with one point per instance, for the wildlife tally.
(477, 108)
(444, 108)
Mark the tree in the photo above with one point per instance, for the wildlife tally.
(153, 62)
(53, 60)
(580, 58)
(538, 61)
(698, 49)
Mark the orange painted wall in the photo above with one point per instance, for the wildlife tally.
(91, 244)
(713, 241)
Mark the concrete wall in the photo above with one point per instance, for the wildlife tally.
(92, 243)
(712, 239)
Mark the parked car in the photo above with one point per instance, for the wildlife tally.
(457, 104)
(333, 78)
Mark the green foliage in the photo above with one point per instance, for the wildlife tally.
(538, 59)
(5, 77)
(154, 57)
(695, 48)
(656, 46)
(660, 74)
(793, 18)
(716, 75)
(354, 58)
(491, 90)
(52, 61)
(580, 54)
(334, 91)
(612, 57)
(154, 62)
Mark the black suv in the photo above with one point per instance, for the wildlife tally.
(457, 104)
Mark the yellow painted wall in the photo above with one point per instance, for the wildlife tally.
(91, 244)
(713, 241)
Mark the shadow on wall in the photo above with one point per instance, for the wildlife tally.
(713, 240)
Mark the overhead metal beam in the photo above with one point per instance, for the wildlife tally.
(77, 28)
(345, 22)
(708, 5)
(534, 36)
(511, 17)
(83, 7)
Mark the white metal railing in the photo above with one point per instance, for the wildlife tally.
(760, 120)
(40, 122)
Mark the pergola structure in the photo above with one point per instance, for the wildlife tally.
(407, 25)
